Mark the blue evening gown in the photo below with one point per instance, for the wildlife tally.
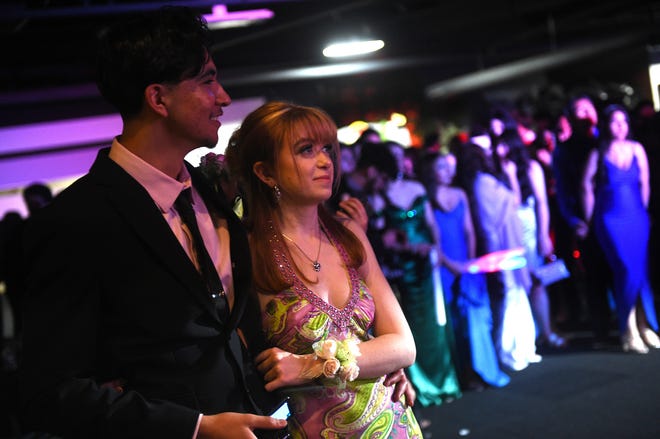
(468, 303)
(621, 224)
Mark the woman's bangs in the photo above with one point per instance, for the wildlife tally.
(317, 128)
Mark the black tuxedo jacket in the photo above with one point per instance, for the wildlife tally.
(111, 294)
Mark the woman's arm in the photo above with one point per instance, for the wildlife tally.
(393, 347)
(429, 218)
(511, 171)
(537, 178)
(587, 187)
(643, 163)
(456, 267)
(495, 202)
(468, 227)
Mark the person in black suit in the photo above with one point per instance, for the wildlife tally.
(123, 337)
(572, 228)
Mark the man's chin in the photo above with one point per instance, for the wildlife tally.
(209, 143)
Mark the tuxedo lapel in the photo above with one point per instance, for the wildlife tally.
(239, 246)
(135, 205)
(240, 262)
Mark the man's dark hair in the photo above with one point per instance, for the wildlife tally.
(163, 46)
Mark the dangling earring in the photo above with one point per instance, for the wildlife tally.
(278, 193)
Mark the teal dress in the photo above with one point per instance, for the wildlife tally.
(434, 373)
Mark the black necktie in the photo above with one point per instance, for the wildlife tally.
(206, 267)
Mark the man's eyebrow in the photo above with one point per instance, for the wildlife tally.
(209, 73)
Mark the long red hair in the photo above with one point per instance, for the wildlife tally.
(260, 139)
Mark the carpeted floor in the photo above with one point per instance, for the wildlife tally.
(584, 391)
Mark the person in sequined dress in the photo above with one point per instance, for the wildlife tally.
(318, 280)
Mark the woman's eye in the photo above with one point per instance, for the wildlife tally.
(306, 149)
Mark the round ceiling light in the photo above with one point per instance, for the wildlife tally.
(352, 48)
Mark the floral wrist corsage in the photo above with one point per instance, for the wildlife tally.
(340, 359)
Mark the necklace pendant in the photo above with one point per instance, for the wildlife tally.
(317, 266)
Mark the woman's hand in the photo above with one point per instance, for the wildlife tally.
(402, 387)
(351, 207)
(421, 249)
(510, 169)
(281, 368)
(546, 248)
(236, 425)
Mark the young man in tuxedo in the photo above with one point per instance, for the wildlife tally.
(124, 335)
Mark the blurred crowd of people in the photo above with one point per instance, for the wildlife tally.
(12, 288)
(576, 198)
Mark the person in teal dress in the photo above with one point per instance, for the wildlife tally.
(410, 239)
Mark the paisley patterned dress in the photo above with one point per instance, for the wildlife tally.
(296, 318)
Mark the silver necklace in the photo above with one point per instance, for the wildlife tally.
(315, 262)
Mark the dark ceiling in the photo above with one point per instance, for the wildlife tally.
(47, 47)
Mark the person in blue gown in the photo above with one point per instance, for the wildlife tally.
(615, 197)
(466, 294)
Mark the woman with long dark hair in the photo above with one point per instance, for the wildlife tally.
(498, 228)
(615, 196)
(534, 215)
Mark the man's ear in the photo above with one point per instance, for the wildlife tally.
(155, 97)
(264, 173)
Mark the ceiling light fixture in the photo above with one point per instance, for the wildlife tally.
(352, 48)
(220, 18)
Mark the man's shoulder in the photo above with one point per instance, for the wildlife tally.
(81, 193)
(85, 197)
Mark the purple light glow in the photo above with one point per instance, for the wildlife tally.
(219, 13)
(20, 171)
(62, 133)
(60, 151)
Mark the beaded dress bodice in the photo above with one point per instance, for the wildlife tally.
(293, 320)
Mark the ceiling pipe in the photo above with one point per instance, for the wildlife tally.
(535, 64)
(242, 77)
(262, 76)
(21, 12)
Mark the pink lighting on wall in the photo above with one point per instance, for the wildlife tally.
(59, 151)
(220, 17)
(59, 133)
